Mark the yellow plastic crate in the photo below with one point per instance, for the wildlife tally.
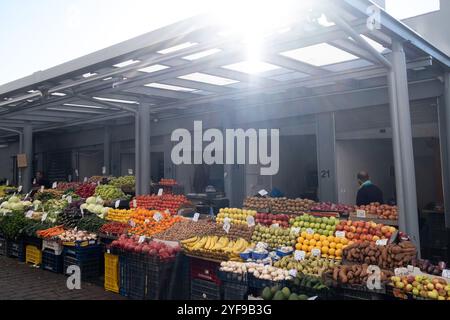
(33, 255)
(111, 273)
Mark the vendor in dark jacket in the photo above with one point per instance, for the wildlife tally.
(368, 192)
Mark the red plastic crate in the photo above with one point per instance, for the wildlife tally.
(205, 270)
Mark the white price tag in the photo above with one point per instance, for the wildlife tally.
(29, 214)
(130, 172)
(160, 192)
(196, 217)
(275, 225)
(293, 273)
(117, 204)
(263, 193)
(316, 252)
(227, 224)
(35, 206)
(98, 183)
(295, 230)
(340, 234)
(34, 181)
(44, 217)
(135, 203)
(108, 251)
(299, 255)
(313, 298)
(103, 170)
(141, 239)
(7, 182)
(19, 189)
(132, 223)
(446, 273)
(54, 185)
(69, 177)
(42, 188)
(157, 217)
(69, 199)
(399, 272)
(147, 221)
(85, 179)
(27, 196)
(82, 212)
(76, 172)
(309, 231)
(381, 242)
(250, 221)
(360, 213)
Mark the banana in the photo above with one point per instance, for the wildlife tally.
(200, 244)
(213, 242)
(208, 243)
(191, 240)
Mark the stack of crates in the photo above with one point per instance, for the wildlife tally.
(158, 278)
(3, 246)
(52, 256)
(88, 259)
(111, 272)
(234, 286)
(205, 282)
(15, 249)
(33, 255)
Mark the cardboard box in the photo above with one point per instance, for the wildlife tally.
(22, 161)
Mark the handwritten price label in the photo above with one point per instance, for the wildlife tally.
(295, 231)
(160, 192)
(29, 214)
(196, 217)
(316, 252)
(141, 239)
(309, 231)
(227, 225)
(19, 189)
(360, 213)
(446, 273)
(381, 242)
(263, 193)
(293, 273)
(299, 255)
(250, 221)
(340, 234)
(54, 185)
(44, 217)
(157, 217)
(117, 204)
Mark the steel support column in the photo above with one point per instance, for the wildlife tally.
(446, 115)
(107, 150)
(326, 157)
(403, 144)
(27, 174)
(143, 150)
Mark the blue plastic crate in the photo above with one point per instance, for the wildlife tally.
(81, 252)
(34, 241)
(16, 249)
(3, 247)
(89, 267)
(51, 261)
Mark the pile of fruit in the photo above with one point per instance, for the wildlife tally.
(86, 190)
(125, 181)
(382, 211)
(365, 231)
(269, 219)
(119, 215)
(257, 203)
(291, 206)
(275, 237)
(169, 202)
(96, 179)
(386, 257)
(236, 231)
(74, 235)
(355, 274)
(427, 267)
(154, 249)
(328, 206)
(186, 229)
(107, 192)
(114, 228)
(67, 186)
(168, 182)
(214, 247)
(276, 293)
(150, 222)
(423, 286)
(321, 225)
(309, 266)
(236, 216)
(329, 247)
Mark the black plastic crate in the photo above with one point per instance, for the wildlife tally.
(124, 283)
(205, 290)
(89, 268)
(83, 252)
(234, 291)
(15, 249)
(34, 241)
(231, 277)
(3, 247)
(51, 261)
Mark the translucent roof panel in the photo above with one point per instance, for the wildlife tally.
(202, 54)
(154, 68)
(126, 63)
(169, 87)
(251, 67)
(207, 78)
(116, 100)
(178, 47)
(319, 55)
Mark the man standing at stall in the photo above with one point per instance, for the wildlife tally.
(368, 192)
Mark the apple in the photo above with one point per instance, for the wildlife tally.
(399, 285)
(433, 294)
(409, 288)
(353, 229)
(430, 286)
(415, 292)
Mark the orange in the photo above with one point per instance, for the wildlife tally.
(339, 253)
(330, 238)
(322, 238)
(304, 247)
(300, 239)
(344, 241)
(310, 248)
(312, 242)
(317, 237)
(298, 246)
(339, 246)
(326, 243)
(331, 251)
(324, 250)
(308, 236)
(303, 234)
(305, 242)
(333, 245)
(319, 244)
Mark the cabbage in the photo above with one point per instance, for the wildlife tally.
(14, 199)
(105, 210)
(99, 201)
(91, 200)
(17, 206)
(98, 209)
(27, 203)
(84, 206)
(4, 205)
(91, 207)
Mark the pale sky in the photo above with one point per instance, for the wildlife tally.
(39, 34)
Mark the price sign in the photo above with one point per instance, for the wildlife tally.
(316, 252)
(227, 224)
(196, 217)
(295, 230)
(69, 199)
(360, 213)
(42, 188)
(293, 273)
(29, 214)
(117, 204)
(340, 234)
(251, 221)
(381, 242)
(19, 189)
(34, 181)
(275, 225)
(85, 179)
(82, 212)
(399, 272)
(54, 185)
(141, 239)
(130, 172)
(263, 193)
(135, 203)
(132, 223)
(44, 217)
(27, 196)
(446, 273)
(98, 183)
(147, 221)
(299, 255)
(103, 170)
(35, 206)
(160, 192)
(69, 177)
(313, 298)
(157, 217)
(77, 173)
(309, 231)
(7, 182)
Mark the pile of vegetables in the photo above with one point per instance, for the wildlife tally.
(67, 186)
(76, 235)
(386, 257)
(50, 232)
(86, 190)
(187, 229)
(95, 205)
(70, 216)
(11, 225)
(97, 179)
(356, 274)
(14, 204)
(48, 194)
(114, 228)
(54, 208)
(108, 192)
(91, 223)
(33, 227)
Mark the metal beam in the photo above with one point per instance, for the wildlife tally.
(143, 151)
(107, 150)
(27, 174)
(446, 100)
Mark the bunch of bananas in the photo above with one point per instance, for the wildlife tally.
(213, 246)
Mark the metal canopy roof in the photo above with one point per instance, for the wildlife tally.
(191, 66)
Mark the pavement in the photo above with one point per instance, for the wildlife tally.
(20, 281)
